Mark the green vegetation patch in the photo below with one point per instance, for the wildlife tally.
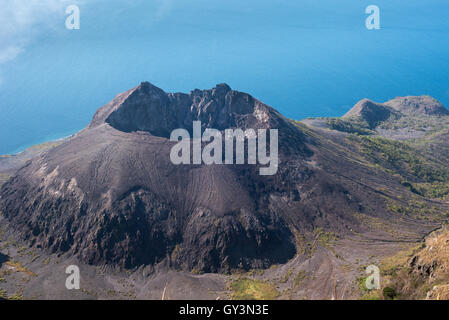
(300, 278)
(325, 238)
(428, 124)
(404, 159)
(3, 178)
(248, 289)
(350, 126)
(435, 190)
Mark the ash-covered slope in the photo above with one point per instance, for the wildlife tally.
(110, 194)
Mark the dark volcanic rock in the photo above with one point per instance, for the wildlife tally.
(3, 258)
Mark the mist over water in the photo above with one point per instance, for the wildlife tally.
(305, 58)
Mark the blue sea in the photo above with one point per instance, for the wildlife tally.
(306, 58)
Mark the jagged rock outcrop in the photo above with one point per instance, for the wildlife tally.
(150, 109)
(425, 270)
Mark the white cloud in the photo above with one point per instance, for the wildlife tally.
(9, 53)
(22, 20)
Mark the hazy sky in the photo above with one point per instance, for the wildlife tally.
(305, 58)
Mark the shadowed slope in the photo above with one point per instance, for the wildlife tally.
(369, 112)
